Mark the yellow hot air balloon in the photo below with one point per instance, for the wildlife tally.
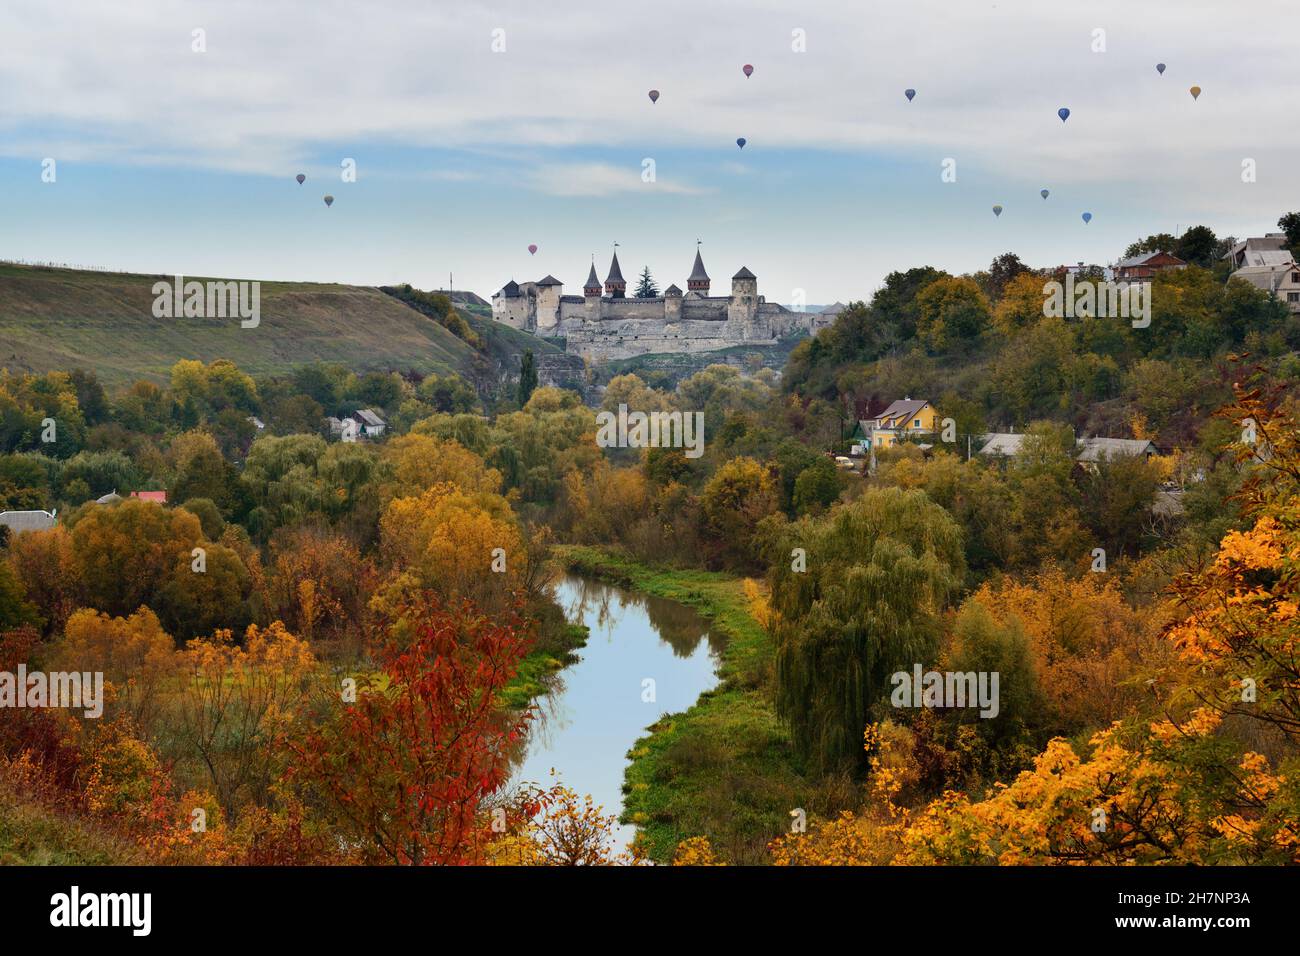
(1195, 91)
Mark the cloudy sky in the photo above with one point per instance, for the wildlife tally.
(170, 160)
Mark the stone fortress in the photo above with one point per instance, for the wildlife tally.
(603, 323)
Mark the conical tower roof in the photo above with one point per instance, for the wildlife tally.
(593, 281)
(615, 273)
(698, 274)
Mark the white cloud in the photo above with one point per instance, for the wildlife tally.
(600, 179)
(279, 81)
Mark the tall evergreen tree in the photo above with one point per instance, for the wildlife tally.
(527, 378)
(646, 288)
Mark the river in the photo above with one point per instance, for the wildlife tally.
(600, 706)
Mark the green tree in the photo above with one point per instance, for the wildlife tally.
(527, 377)
(646, 288)
(817, 487)
(1290, 224)
(864, 604)
(951, 312)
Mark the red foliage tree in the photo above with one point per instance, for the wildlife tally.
(404, 771)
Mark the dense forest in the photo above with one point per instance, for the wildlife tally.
(323, 651)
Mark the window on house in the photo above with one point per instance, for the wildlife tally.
(1293, 296)
(917, 423)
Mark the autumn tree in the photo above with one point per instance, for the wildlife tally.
(126, 554)
(455, 542)
(738, 496)
(45, 563)
(404, 771)
(136, 656)
(237, 702)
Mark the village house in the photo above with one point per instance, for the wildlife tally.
(157, 497)
(20, 521)
(365, 422)
(1147, 265)
(907, 418)
(1269, 250)
(1279, 277)
(1088, 451)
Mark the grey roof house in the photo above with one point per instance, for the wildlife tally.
(20, 521)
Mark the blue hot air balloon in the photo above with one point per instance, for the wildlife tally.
(997, 210)
(1043, 193)
(1160, 68)
(1087, 217)
(301, 178)
(909, 94)
(741, 142)
(329, 200)
(1064, 113)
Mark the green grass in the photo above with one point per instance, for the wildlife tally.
(724, 768)
(34, 835)
(61, 319)
(532, 678)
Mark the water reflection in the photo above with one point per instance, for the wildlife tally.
(645, 657)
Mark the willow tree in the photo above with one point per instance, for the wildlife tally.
(877, 573)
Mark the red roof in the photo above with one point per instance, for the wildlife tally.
(158, 496)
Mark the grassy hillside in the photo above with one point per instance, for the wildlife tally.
(65, 318)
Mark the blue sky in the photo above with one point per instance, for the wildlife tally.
(170, 160)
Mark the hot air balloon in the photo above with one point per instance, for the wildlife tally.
(532, 248)
(1064, 113)
(741, 142)
(654, 96)
(1160, 68)
(748, 68)
(997, 210)
(1043, 193)
(909, 94)
(1195, 91)
(329, 200)
(1087, 218)
(301, 178)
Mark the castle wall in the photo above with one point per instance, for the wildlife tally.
(514, 310)
(548, 307)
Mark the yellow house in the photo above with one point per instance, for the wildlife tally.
(909, 417)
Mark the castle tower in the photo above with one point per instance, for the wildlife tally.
(592, 288)
(549, 290)
(672, 303)
(615, 287)
(743, 307)
(699, 280)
